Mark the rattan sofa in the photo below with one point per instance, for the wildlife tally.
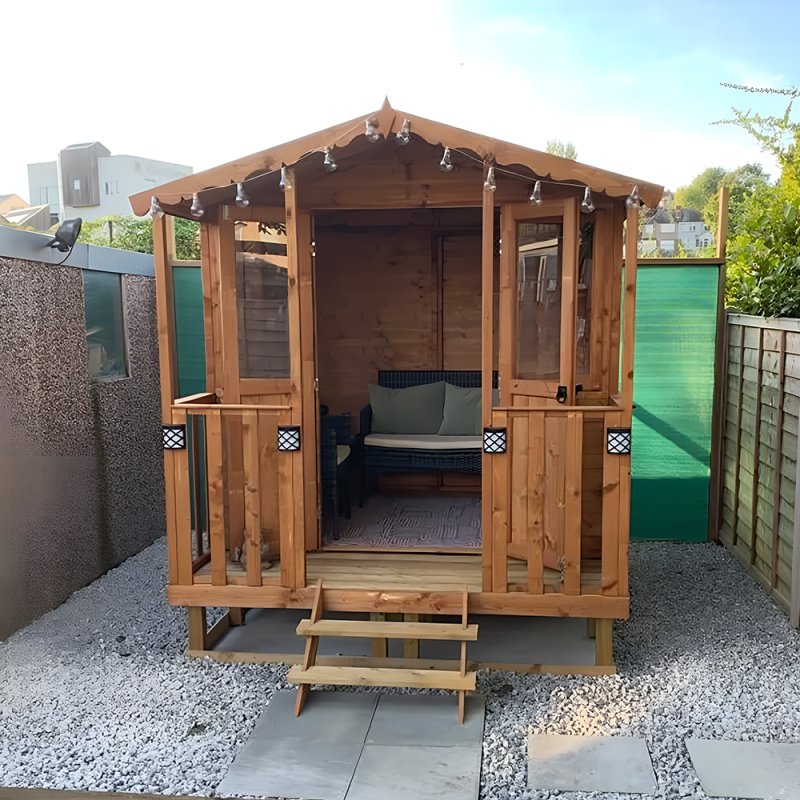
(449, 453)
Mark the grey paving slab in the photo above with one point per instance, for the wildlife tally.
(747, 769)
(426, 720)
(400, 772)
(327, 716)
(311, 756)
(589, 764)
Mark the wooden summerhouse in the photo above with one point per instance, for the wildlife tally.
(399, 252)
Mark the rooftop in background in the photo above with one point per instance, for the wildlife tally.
(87, 181)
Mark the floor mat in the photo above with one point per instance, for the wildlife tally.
(414, 522)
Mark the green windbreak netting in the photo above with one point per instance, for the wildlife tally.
(673, 391)
(188, 294)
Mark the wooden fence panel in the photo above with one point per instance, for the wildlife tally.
(758, 491)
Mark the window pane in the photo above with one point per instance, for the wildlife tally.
(105, 328)
(538, 300)
(262, 291)
(584, 321)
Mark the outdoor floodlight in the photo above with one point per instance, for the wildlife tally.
(66, 235)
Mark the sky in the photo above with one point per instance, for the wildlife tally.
(635, 86)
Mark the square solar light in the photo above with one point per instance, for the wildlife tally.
(619, 441)
(173, 437)
(494, 440)
(288, 438)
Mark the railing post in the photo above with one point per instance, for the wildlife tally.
(252, 497)
(183, 507)
(572, 499)
(216, 499)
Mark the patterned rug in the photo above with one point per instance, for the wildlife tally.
(413, 522)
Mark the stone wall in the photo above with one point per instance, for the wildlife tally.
(81, 477)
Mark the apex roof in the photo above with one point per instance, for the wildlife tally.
(389, 121)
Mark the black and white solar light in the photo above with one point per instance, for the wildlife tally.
(494, 440)
(618, 441)
(288, 438)
(173, 437)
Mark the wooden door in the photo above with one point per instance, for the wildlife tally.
(268, 356)
(538, 291)
(534, 497)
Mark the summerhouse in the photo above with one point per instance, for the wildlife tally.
(419, 372)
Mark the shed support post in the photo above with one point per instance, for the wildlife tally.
(197, 627)
(603, 653)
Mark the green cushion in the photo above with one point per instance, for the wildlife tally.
(462, 411)
(417, 409)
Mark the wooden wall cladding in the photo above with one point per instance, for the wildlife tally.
(394, 297)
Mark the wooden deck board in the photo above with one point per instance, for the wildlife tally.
(402, 571)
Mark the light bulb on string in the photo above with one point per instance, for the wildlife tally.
(587, 206)
(155, 208)
(404, 134)
(242, 200)
(445, 165)
(371, 130)
(536, 194)
(632, 200)
(329, 163)
(490, 184)
(285, 182)
(197, 209)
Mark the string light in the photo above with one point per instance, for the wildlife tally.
(155, 208)
(242, 200)
(587, 206)
(197, 209)
(444, 164)
(285, 182)
(633, 199)
(371, 130)
(490, 184)
(329, 162)
(404, 134)
(536, 195)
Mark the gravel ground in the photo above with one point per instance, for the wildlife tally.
(97, 695)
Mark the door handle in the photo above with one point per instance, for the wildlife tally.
(561, 394)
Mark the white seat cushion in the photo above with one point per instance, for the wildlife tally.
(342, 452)
(422, 441)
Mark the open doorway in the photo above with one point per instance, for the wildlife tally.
(398, 305)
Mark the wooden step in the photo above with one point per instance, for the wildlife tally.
(369, 629)
(380, 676)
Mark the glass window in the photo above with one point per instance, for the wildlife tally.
(262, 291)
(105, 325)
(584, 311)
(539, 270)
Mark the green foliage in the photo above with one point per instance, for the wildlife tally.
(132, 233)
(697, 193)
(764, 241)
(742, 182)
(764, 253)
(564, 149)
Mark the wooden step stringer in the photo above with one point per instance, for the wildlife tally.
(308, 673)
(310, 655)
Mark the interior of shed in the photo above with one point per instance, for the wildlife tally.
(398, 290)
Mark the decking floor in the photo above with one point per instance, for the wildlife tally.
(401, 571)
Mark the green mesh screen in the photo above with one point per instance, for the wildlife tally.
(188, 293)
(673, 390)
(187, 290)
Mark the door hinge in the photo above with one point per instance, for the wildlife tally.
(313, 249)
(316, 384)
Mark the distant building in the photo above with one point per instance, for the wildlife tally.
(11, 202)
(87, 181)
(660, 234)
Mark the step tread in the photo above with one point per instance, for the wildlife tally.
(383, 676)
(374, 629)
